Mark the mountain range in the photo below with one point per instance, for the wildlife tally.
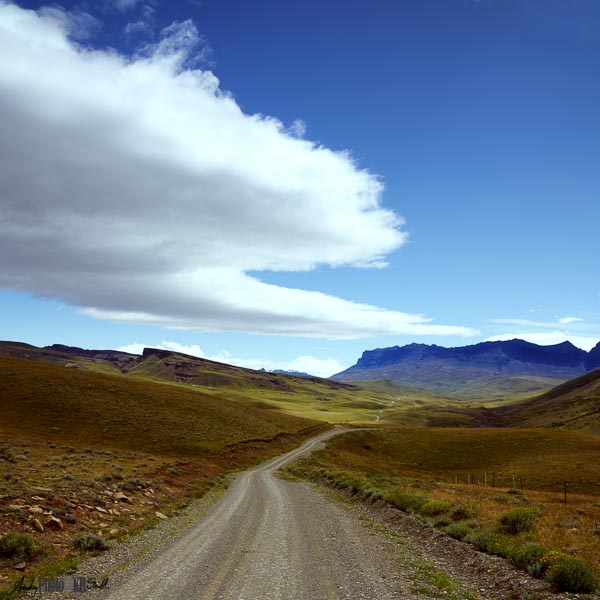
(501, 368)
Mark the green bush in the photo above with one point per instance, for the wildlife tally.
(461, 512)
(442, 521)
(529, 558)
(519, 520)
(406, 501)
(89, 542)
(18, 546)
(492, 543)
(459, 531)
(572, 575)
(433, 508)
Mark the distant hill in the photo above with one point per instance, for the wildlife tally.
(573, 405)
(161, 365)
(86, 407)
(487, 369)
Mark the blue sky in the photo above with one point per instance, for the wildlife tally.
(288, 184)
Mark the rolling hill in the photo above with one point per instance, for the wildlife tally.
(574, 405)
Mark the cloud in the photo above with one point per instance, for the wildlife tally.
(547, 338)
(126, 5)
(76, 24)
(567, 320)
(304, 364)
(545, 324)
(139, 27)
(137, 189)
(297, 128)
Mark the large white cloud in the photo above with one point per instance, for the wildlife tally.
(139, 190)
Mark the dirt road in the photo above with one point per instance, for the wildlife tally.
(269, 539)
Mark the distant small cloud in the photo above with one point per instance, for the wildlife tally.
(140, 27)
(297, 128)
(180, 39)
(567, 320)
(126, 5)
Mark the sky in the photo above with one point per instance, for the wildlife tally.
(285, 185)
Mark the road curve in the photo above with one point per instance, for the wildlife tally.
(268, 539)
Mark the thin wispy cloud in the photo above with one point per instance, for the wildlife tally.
(138, 190)
(547, 324)
(568, 320)
(77, 24)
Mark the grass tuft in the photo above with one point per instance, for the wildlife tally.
(89, 542)
(18, 546)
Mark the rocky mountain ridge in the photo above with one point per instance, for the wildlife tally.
(447, 369)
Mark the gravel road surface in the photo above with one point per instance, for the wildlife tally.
(272, 539)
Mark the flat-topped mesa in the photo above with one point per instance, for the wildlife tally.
(147, 352)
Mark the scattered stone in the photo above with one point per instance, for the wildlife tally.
(54, 523)
(20, 566)
(37, 525)
(160, 515)
(36, 510)
(101, 510)
(121, 497)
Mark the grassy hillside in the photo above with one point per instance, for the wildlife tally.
(311, 397)
(449, 476)
(108, 454)
(574, 405)
(81, 407)
(450, 453)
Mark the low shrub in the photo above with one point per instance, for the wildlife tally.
(89, 542)
(529, 558)
(18, 546)
(442, 521)
(406, 501)
(458, 531)
(572, 575)
(433, 508)
(519, 520)
(462, 511)
(492, 543)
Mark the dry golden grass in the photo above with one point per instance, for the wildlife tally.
(429, 461)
